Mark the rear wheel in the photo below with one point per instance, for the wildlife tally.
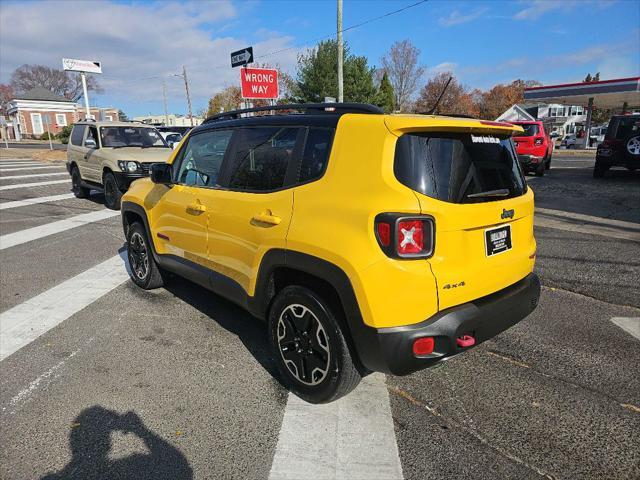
(599, 169)
(76, 184)
(309, 347)
(144, 270)
(547, 162)
(112, 193)
(539, 171)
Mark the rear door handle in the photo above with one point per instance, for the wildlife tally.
(267, 218)
(196, 208)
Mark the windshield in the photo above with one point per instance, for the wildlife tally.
(530, 130)
(144, 137)
(459, 168)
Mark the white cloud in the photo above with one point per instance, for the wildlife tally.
(618, 67)
(442, 67)
(139, 45)
(537, 8)
(457, 18)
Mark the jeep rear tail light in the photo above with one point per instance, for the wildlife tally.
(539, 141)
(400, 236)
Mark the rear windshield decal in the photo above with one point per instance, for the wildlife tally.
(475, 139)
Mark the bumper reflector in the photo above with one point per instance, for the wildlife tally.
(423, 346)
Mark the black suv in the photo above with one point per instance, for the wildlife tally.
(621, 145)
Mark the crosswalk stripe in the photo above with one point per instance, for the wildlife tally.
(34, 164)
(4, 161)
(352, 437)
(30, 234)
(17, 169)
(23, 323)
(33, 184)
(631, 325)
(33, 201)
(15, 177)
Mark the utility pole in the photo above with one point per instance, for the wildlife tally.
(86, 95)
(164, 97)
(340, 53)
(186, 87)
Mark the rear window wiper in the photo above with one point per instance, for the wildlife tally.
(503, 192)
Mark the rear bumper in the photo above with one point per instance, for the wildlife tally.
(390, 350)
(612, 158)
(529, 161)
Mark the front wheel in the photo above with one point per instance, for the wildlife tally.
(143, 269)
(310, 349)
(112, 193)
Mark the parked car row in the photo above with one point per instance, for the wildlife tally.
(410, 239)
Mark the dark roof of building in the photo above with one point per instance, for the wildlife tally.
(41, 93)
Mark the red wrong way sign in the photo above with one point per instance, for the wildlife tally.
(259, 82)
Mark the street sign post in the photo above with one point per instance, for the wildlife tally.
(242, 57)
(259, 83)
(84, 67)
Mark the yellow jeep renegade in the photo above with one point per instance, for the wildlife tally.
(368, 242)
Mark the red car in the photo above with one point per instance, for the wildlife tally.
(534, 147)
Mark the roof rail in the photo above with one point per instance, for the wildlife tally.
(324, 108)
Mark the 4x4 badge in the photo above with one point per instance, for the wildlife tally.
(507, 213)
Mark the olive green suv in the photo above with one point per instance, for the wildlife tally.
(108, 156)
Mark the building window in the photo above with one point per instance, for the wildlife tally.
(109, 118)
(61, 119)
(36, 124)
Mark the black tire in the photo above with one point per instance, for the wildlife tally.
(539, 171)
(301, 320)
(547, 162)
(112, 193)
(599, 170)
(144, 270)
(76, 184)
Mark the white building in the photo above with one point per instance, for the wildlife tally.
(563, 119)
(170, 120)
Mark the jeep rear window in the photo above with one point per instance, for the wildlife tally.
(622, 127)
(459, 168)
(530, 130)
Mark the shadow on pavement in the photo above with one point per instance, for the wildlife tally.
(251, 331)
(90, 442)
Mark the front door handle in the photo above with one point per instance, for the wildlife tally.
(196, 208)
(267, 217)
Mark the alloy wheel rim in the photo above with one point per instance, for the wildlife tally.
(633, 146)
(138, 257)
(303, 344)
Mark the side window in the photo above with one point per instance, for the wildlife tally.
(316, 154)
(201, 158)
(77, 134)
(91, 141)
(261, 156)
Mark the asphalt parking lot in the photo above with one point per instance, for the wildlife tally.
(104, 380)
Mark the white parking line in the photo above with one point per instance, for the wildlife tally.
(631, 325)
(15, 177)
(23, 323)
(31, 234)
(16, 169)
(577, 222)
(351, 438)
(33, 184)
(33, 201)
(24, 164)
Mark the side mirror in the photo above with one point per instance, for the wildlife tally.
(90, 143)
(160, 173)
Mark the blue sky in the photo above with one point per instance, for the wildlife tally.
(483, 43)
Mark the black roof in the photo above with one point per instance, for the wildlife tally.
(41, 93)
(303, 114)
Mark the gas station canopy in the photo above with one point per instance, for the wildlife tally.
(606, 94)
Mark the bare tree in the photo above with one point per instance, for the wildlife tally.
(66, 84)
(6, 95)
(455, 100)
(401, 65)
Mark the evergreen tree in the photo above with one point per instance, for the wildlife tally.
(385, 96)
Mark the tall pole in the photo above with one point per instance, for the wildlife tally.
(164, 97)
(340, 53)
(186, 87)
(86, 95)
